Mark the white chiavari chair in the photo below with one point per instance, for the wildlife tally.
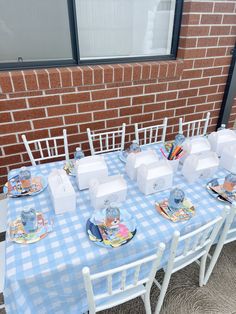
(187, 249)
(151, 134)
(227, 235)
(126, 289)
(106, 141)
(195, 127)
(47, 148)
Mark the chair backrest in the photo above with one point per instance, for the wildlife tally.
(195, 127)
(191, 246)
(151, 134)
(123, 287)
(47, 148)
(106, 141)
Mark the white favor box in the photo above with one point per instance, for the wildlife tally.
(62, 192)
(89, 168)
(220, 139)
(104, 191)
(155, 177)
(228, 158)
(196, 145)
(134, 160)
(202, 165)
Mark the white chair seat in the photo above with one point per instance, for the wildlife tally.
(117, 299)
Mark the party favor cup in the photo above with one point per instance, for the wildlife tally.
(174, 164)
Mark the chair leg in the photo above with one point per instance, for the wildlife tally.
(164, 287)
(213, 261)
(147, 303)
(202, 270)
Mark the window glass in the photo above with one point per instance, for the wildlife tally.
(34, 30)
(124, 28)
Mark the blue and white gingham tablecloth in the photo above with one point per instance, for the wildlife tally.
(45, 277)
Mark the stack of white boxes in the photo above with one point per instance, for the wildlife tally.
(152, 175)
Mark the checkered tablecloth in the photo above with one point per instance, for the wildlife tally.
(45, 277)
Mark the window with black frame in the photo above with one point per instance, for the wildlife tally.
(66, 32)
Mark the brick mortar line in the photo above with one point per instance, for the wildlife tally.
(132, 96)
(196, 47)
(210, 36)
(206, 13)
(101, 120)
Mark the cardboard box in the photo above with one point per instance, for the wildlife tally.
(62, 192)
(203, 165)
(104, 191)
(155, 177)
(220, 139)
(136, 160)
(228, 158)
(89, 168)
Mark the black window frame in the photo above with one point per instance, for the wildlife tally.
(75, 61)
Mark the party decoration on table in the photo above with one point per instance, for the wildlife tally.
(223, 189)
(104, 191)
(111, 227)
(88, 168)
(61, 191)
(176, 208)
(69, 168)
(133, 148)
(174, 149)
(202, 165)
(14, 187)
(154, 177)
(18, 234)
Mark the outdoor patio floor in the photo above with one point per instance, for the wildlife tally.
(184, 296)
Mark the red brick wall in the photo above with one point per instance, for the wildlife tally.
(41, 103)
